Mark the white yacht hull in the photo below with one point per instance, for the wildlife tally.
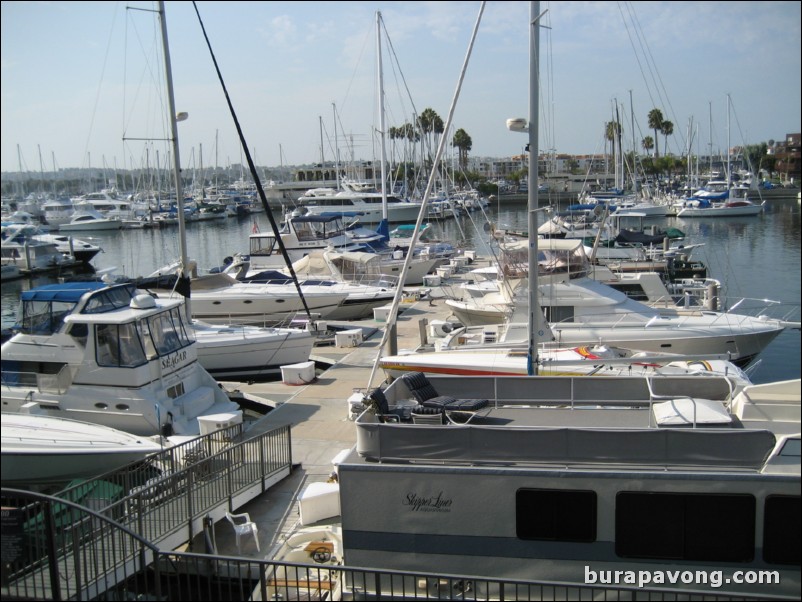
(43, 449)
(259, 304)
(249, 353)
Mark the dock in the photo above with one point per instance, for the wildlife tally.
(318, 415)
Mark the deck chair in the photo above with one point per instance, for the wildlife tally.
(383, 411)
(243, 526)
(425, 415)
(455, 410)
(423, 391)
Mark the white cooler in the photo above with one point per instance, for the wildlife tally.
(319, 501)
(298, 374)
(348, 338)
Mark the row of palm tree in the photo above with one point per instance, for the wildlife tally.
(429, 125)
(657, 123)
(426, 130)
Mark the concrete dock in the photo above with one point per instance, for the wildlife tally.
(319, 415)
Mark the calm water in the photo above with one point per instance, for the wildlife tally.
(755, 258)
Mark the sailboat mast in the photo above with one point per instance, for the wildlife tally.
(729, 173)
(179, 193)
(336, 148)
(534, 81)
(384, 228)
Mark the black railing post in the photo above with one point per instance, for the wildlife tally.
(50, 542)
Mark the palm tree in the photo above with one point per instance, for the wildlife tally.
(464, 143)
(648, 144)
(655, 123)
(429, 122)
(612, 132)
(666, 128)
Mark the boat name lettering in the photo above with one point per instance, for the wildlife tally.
(171, 361)
(428, 504)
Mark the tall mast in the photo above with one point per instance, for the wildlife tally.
(710, 133)
(729, 174)
(534, 82)
(384, 227)
(322, 158)
(179, 193)
(634, 144)
(336, 148)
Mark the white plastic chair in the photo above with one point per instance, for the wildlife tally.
(243, 526)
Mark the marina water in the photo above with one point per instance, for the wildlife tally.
(757, 259)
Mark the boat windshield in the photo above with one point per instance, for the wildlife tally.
(134, 343)
(262, 245)
(313, 229)
(109, 299)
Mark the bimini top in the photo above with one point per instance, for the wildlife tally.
(68, 292)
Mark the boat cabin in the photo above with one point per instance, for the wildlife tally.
(559, 478)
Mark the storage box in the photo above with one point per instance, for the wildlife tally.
(214, 422)
(431, 280)
(348, 338)
(319, 501)
(380, 314)
(457, 263)
(298, 374)
(356, 405)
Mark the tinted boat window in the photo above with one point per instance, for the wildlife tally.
(782, 527)
(685, 526)
(555, 515)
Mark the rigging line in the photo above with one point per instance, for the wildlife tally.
(97, 94)
(368, 38)
(150, 72)
(425, 202)
(654, 72)
(397, 62)
(252, 169)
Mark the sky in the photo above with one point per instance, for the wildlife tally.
(83, 82)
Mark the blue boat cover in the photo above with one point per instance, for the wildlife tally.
(69, 292)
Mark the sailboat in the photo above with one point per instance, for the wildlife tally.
(232, 350)
(719, 199)
(585, 313)
(366, 207)
(304, 232)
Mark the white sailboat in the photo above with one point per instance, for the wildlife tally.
(235, 350)
(582, 313)
(720, 199)
(303, 233)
